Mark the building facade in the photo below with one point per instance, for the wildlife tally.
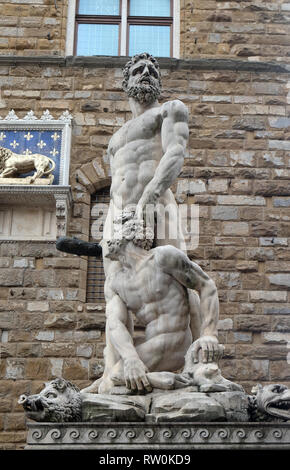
(229, 63)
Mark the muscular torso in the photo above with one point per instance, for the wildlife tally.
(159, 302)
(135, 151)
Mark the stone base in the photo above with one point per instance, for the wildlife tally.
(185, 404)
(186, 435)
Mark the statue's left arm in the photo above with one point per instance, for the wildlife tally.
(174, 137)
(190, 275)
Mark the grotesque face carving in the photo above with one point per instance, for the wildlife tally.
(59, 401)
(274, 400)
(142, 79)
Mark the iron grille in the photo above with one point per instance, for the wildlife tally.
(95, 274)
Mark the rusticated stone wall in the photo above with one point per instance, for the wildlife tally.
(237, 170)
(33, 27)
(249, 29)
(253, 30)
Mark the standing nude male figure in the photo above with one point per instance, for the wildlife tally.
(146, 156)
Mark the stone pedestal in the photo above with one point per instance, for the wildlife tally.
(173, 436)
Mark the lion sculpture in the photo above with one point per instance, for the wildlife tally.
(13, 164)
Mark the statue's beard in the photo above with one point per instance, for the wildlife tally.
(144, 93)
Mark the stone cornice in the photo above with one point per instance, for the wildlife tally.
(236, 65)
(35, 195)
(171, 435)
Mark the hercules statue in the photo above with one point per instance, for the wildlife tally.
(146, 156)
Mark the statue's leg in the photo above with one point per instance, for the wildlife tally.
(8, 172)
(162, 355)
(111, 356)
(39, 171)
(195, 314)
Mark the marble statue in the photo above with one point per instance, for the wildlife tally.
(12, 164)
(146, 156)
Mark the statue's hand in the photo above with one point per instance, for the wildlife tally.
(211, 350)
(146, 204)
(135, 375)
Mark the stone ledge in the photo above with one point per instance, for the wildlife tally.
(34, 194)
(186, 435)
(236, 65)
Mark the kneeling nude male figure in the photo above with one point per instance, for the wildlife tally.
(153, 284)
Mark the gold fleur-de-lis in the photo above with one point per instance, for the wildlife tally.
(2, 136)
(28, 136)
(41, 144)
(53, 152)
(27, 152)
(14, 144)
(55, 136)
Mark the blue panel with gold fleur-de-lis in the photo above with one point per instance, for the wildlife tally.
(27, 142)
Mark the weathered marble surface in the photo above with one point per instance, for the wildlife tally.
(170, 406)
(114, 408)
(186, 405)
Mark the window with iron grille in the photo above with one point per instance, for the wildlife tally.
(125, 27)
(95, 275)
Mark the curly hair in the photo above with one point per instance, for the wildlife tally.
(128, 228)
(133, 61)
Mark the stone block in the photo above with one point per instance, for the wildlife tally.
(279, 371)
(58, 350)
(182, 405)
(14, 369)
(279, 280)
(275, 338)
(45, 336)
(37, 306)
(235, 228)
(241, 200)
(60, 321)
(11, 277)
(272, 188)
(240, 337)
(252, 323)
(281, 202)
(268, 296)
(114, 407)
(281, 324)
(38, 369)
(242, 158)
(273, 241)
(218, 186)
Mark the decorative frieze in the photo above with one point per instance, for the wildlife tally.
(187, 435)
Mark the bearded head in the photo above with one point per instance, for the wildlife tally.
(142, 79)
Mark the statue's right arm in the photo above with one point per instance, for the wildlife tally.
(174, 137)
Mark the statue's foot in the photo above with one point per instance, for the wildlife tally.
(94, 388)
(105, 385)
